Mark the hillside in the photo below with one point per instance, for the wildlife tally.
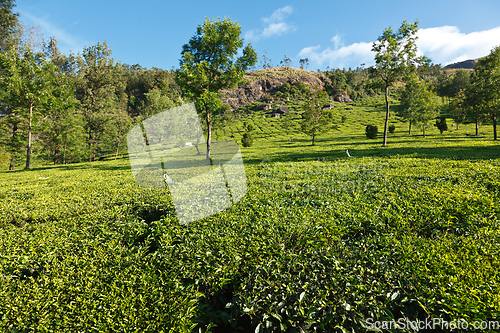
(262, 83)
(320, 242)
(467, 64)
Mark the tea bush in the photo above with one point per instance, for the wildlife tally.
(318, 246)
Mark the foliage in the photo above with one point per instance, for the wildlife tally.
(485, 86)
(9, 23)
(441, 124)
(247, 139)
(286, 61)
(316, 120)
(349, 82)
(96, 91)
(27, 83)
(395, 57)
(303, 62)
(371, 131)
(458, 108)
(392, 128)
(451, 86)
(419, 103)
(318, 245)
(208, 65)
(297, 91)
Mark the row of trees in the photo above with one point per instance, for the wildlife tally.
(75, 107)
(80, 106)
(70, 108)
(396, 62)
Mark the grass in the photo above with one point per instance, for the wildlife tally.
(320, 242)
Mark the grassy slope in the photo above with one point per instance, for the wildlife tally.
(320, 240)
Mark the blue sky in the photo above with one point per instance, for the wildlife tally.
(336, 34)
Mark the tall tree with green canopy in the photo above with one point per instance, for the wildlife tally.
(485, 85)
(9, 24)
(395, 57)
(208, 65)
(97, 84)
(27, 81)
(418, 101)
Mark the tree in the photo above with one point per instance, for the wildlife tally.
(316, 120)
(247, 139)
(60, 118)
(485, 86)
(156, 101)
(441, 124)
(208, 65)
(395, 56)
(9, 24)
(458, 108)
(286, 61)
(27, 81)
(419, 103)
(13, 133)
(371, 131)
(97, 83)
(429, 107)
(409, 98)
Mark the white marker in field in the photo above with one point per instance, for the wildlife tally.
(347, 151)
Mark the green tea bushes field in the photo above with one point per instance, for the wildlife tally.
(320, 244)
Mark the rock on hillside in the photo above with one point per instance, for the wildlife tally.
(467, 64)
(265, 82)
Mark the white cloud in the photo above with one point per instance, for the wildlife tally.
(339, 56)
(275, 25)
(447, 44)
(65, 41)
(442, 45)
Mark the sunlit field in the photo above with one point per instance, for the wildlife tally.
(321, 242)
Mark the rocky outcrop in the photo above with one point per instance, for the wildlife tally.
(279, 111)
(261, 85)
(342, 98)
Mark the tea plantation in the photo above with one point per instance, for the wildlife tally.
(320, 243)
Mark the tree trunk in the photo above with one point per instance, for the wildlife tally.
(409, 129)
(90, 145)
(386, 114)
(209, 135)
(116, 153)
(423, 130)
(457, 126)
(28, 150)
(64, 154)
(494, 118)
(197, 144)
(56, 153)
(477, 126)
(12, 163)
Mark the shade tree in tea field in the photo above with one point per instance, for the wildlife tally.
(316, 120)
(419, 103)
(208, 65)
(395, 57)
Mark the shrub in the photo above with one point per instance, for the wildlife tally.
(371, 131)
(441, 124)
(247, 140)
(392, 128)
